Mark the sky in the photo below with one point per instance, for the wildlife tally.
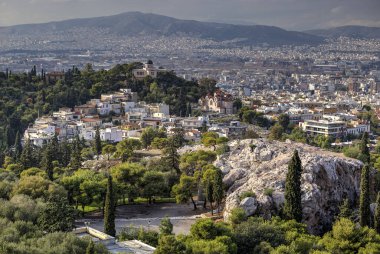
(289, 14)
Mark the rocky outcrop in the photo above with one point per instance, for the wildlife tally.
(260, 166)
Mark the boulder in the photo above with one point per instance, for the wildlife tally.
(249, 204)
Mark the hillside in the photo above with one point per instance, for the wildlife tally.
(358, 32)
(136, 23)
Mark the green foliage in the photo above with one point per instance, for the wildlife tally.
(377, 214)
(247, 194)
(125, 149)
(148, 236)
(57, 215)
(166, 227)
(169, 244)
(345, 210)
(237, 216)
(108, 150)
(149, 134)
(364, 155)
(365, 202)
(253, 117)
(293, 207)
(284, 121)
(212, 182)
(183, 191)
(268, 192)
(276, 132)
(90, 248)
(109, 209)
(297, 135)
(351, 151)
(346, 237)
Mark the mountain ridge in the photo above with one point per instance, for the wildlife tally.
(137, 23)
(353, 31)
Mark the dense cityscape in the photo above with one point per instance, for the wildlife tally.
(176, 142)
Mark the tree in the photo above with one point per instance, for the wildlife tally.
(169, 244)
(347, 237)
(152, 184)
(109, 209)
(27, 158)
(183, 191)
(377, 214)
(364, 208)
(171, 157)
(57, 215)
(76, 158)
(188, 110)
(345, 209)
(213, 185)
(90, 248)
(109, 150)
(293, 206)
(210, 139)
(147, 136)
(17, 146)
(97, 143)
(276, 132)
(364, 155)
(126, 148)
(166, 227)
(237, 216)
(284, 121)
(47, 160)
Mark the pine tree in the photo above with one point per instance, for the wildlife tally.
(97, 143)
(17, 146)
(364, 149)
(90, 248)
(109, 210)
(364, 209)
(377, 214)
(293, 206)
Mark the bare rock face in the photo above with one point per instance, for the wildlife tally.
(260, 166)
(249, 204)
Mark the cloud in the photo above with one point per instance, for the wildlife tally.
(289, 14)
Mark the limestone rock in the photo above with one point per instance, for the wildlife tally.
(258, 164)
(249, 204)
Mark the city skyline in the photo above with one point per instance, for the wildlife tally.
(289, 14)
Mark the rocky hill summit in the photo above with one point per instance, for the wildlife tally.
(255, 172)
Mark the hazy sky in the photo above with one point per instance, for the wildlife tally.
(289, 14)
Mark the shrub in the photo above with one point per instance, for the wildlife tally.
(247, 194)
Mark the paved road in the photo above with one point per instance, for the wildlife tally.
(148, 216)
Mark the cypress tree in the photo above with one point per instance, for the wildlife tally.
(76, 159)
(17, 146)
(377, 214)
(27, 157)
(293, 206)
(345, 209)
(98, 142)
(109, 210)
(364, 209)
(47, 160)
(90, 248)
(364, 150)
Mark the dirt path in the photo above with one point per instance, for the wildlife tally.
(148, 216)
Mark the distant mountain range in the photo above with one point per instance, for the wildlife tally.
(359, 32)
(137, 23)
